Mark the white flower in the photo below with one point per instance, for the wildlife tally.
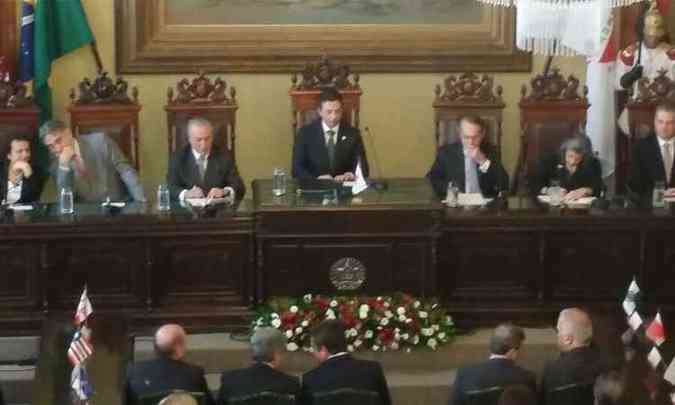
(350, 348)
(394, 346)
(307, 298)
(387, 304)
(400, 311)
(353, 332)
(369, 334)
(276, 323)
(298, 330)
(388, 314)
(436, 327)
(408, 350)
(294, 309)
(289, 334)
(363, 311)
(441, 335)
(401, 318)
(274, 315)
(416, 339)
(448, 320)
(384, 322)
(291, 347)
(376, 348)
(305, 323)
(409, 320)
(260, 322)
(432, 343)
(427, 331)
(397, 337)
(358, 343)
(416, 304)
(330, 314)
(333, 304)
(405, 336)
(423, 314)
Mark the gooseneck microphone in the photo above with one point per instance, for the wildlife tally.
(380, 183)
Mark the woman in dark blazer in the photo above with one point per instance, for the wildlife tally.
(577, 172)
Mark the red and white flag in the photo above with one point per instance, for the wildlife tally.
(654, 358)
(80, 348)
(84, 308)
(655, 331)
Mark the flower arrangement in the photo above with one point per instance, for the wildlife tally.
(393, 323)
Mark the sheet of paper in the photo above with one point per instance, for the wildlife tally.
(472, 199)
(360, 183)
(582, 202)
(203, 202)
(21, 207)
(116, 204)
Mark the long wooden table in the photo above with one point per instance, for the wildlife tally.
(206, 268)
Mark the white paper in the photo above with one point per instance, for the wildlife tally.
(21, 207)
(581, 202)
(654, 357)
(119, 204)
(635, 321)
(629, 306)
(472, 199)
(360, 183)
(203, 202)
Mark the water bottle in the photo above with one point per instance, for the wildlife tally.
(163, 198)
(658, 194)
(278, 182)
(66, 201)
(452, 197)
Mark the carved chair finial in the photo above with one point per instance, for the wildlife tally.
(468, 87)
(103, 90)
(13, 94)
(325, 73)
(201, 91)
(554, 87)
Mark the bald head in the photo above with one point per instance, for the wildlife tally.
(575, 329)
(170, 341)
(179, 398)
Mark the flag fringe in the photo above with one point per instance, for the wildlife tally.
(559, 3)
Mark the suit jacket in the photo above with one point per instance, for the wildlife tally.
(492, 373)
(345, 372)
(310, 155)
(257, 378)
(449, 166)
(107, 172)
(162, 374)
(552, 167)
(221, 172)
(647, 167)
(31, 188)
(581, 365)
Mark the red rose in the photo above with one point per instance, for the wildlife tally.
(288, 319)
(386, 336)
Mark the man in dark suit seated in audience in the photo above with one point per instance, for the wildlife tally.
(652, 158)
(200, 170)
(20, 181)
(578, 363)
(499, 371)
(471, 164)
(269, 347)
(329, 148)
(168, 371)
(339, 369)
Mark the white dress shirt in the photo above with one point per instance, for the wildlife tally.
(469, 164)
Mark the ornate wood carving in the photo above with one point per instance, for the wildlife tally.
(201, 91)
(554, 87)
(468, 87)
(325, 73)
(655, 91)
(13, 95)
(103, 90)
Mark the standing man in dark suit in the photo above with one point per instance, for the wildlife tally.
(269, 347)
(168, 371)
(471, 164)
(338, 369)
(329, 148)
(20, 182)
(578, 363)
(652, 158)
(200, 170)
(499, 371)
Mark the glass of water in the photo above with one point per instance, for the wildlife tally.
(452, 197)
(555, 194)
(278, 182)
(163, 198)
(658, 194)
(66, 201)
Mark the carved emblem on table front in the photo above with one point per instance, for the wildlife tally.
(347, 273)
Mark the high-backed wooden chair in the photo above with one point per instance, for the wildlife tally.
(200, 97)
(305, 92)
(467, 94)
(552, 112)
(641, 110)
(18, 114)
(104, 105)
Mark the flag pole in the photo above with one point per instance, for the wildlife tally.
(97, 56)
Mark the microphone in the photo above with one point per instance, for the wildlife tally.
(376, 184)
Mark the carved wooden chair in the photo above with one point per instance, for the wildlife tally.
(641, 111)
(551, 113)
(467, 94)
(200, 97)
(104, 105)
(18, 114)
(305, 92)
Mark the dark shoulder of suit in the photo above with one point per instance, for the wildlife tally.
(164, 374)
(258, 378)
(581, 365)
(495, 372)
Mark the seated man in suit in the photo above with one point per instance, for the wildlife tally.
(499, 371)
(269, 347)
(328, 148)
(168, 371)
(338, 369)
(470, 164)
(93, 166)
(578, 173)
(20, 181)
(652, 158)
(200, 170)
(578, 363)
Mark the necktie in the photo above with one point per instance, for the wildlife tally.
(330, 145)
(201, 165)
(667, 161)
(471, 174)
